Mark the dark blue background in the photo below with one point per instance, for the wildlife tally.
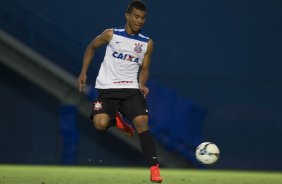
(225, 55)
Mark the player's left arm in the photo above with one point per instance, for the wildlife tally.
(144, 71)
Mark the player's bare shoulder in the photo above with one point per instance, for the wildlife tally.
(150, 41)
(107, 35)
(150, 47)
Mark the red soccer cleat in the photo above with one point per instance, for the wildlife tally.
(155, 174)
(126, 128)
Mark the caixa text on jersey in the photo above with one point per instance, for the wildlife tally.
(126, 57)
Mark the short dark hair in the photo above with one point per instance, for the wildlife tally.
(137, 4)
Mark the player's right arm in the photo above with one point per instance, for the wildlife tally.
(97, 42)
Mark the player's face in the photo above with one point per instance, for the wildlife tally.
(135, 21)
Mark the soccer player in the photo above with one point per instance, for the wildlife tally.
(121, 82)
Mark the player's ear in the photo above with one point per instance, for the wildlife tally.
(127, 16)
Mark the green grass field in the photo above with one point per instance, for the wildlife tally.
(14, 174)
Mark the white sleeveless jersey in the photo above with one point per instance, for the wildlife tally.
(123, 57)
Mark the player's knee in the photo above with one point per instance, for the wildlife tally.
(141, 123)
(101, 124)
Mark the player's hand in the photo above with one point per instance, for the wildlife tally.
(144, 90)
(82, 82)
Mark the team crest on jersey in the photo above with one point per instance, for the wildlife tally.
(138, 48)
(97, 105)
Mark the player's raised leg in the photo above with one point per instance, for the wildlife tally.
(122, 125)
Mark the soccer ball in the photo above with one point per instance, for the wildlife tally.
(207, 153)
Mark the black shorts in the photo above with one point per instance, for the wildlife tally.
(130, 102)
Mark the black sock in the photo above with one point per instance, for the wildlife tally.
(148, 148)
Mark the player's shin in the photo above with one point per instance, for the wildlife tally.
(148, 148)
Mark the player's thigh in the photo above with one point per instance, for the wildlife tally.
(134, 106)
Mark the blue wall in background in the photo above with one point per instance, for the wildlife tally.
(225, 55)
(30, 130)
